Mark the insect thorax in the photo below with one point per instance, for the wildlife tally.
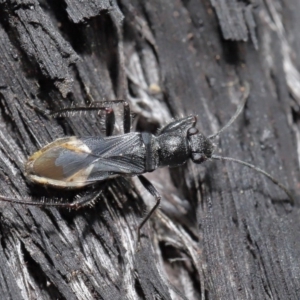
(172, 150)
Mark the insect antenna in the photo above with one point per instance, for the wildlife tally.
(238, 111)
(259, 170)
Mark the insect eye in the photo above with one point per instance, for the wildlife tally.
(193, 131)
(198, 158)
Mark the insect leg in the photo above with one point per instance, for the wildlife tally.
(127, 112)
(42, 111)
(65, 112)
(148, 186)
(86, 199)
(110, 116)
(109, 121)
(126, 118)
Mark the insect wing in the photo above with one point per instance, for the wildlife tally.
(75, 162)
(116, 155)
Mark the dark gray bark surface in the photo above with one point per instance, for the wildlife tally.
(223, 231)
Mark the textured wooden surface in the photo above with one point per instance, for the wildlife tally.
(223, 231)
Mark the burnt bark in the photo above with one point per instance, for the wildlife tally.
(223, 231)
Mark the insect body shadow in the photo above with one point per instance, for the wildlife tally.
(76, 162)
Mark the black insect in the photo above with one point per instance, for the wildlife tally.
(75, 162)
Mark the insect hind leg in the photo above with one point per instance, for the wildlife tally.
(126, 112)
(101, 106)
(77, 204)
(87, 199)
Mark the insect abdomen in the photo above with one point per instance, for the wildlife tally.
(62, 164)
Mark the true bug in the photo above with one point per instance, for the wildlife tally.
(74, 162)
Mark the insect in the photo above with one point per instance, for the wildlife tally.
(75, 162)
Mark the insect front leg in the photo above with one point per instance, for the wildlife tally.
(148, 186)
